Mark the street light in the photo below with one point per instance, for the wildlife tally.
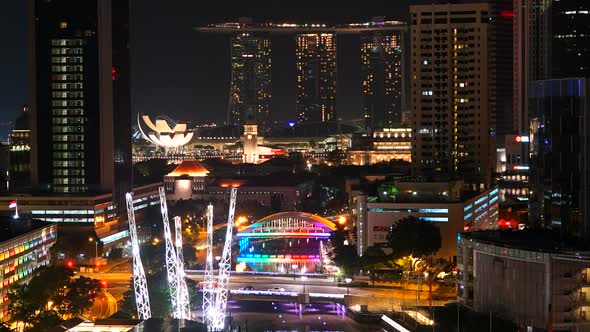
(342, 220)
(348, 281)
(91, 239)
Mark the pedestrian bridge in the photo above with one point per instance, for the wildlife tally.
(290, 224)
(284, 242)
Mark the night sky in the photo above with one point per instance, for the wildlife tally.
(185, 74)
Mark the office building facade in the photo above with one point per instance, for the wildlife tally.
(316, 77)
(382, 73)
(452, 122)
(560, 152)
(80, 98)
(250, 93)
(19, 173)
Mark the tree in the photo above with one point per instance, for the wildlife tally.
(48, 294)
(414, 237)
(189, 253)
(5, 328)
(81, 294)
(420, 240)
(345, 255)
(159, 295)
(44, 321)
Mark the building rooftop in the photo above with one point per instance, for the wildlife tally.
(11, 228)
(532, 240)
(276, 180)
(189, 167)
(289, 27)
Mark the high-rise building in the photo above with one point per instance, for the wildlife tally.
(451, 120)
(531, 49)
(559, 134)
(19, 173)
(382, 52)
(570, 42)
(250, 92)
(80, 97)
(382, 73)
(316, 77)
(501, 66)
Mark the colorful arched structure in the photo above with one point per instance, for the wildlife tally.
(285, 241)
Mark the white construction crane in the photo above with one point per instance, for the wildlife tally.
(171, 258)
(208, 285)
(142, 300)
(225, 266)
(183, 298)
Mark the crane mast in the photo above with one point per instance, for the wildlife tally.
(208, 289)
(142, 300)
(171, 257)
(225, 265)
(183, 298)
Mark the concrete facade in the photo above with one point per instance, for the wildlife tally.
(525, 284)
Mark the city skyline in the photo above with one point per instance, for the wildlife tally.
(194, 90)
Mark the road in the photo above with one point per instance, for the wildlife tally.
(119, 282)
(104, 306)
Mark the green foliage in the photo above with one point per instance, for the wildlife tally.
(154, 259)
(345, 256)
(189, 253)
(28, 303)
(80, 295)
(150, 171)
(116, 253)
(44, 321)
(159, 294)
(157, 282)
(415, 237)
(72, 244)
(5, 328)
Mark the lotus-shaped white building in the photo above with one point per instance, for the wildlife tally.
(161, 134)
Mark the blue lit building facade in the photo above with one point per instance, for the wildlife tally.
(560, 151)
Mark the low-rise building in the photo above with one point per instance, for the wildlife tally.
(380, 146)
(446, 204)
(529, 277)
(191, 180)
(24, 248)
(96, 212)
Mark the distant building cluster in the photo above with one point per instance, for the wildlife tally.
(382, 58)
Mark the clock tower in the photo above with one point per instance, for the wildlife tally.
(250, 142)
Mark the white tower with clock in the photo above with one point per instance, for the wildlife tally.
(250, 142)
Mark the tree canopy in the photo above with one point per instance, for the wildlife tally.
(414, 237)
(50, 296)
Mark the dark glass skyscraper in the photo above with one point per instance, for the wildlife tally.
(250, 93)
(570, 29)
(382, 76)
(560, 152)
(80, 97)
(316, 77)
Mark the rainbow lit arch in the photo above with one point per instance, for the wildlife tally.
(289, 223)
(290, 227)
